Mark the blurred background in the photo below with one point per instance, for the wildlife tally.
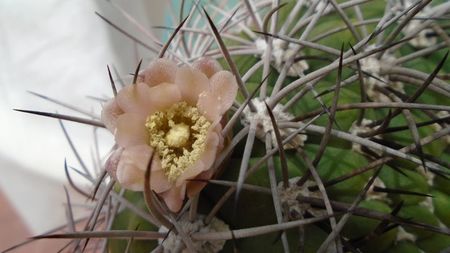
(59, 49)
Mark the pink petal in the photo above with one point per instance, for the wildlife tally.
(195, 187)
(220, 96)
(174, 198)
(132, 165)
(209, 106)
(208, 66)
(164, 95)
(204, 162)
(223, 85)
(113, 161)
(131, 130)
(110, 112)
(191, 172)
(158, 180)
(160, 71)
(134, 98)
(191, 83)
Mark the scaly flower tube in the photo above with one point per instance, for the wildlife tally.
(174, 113)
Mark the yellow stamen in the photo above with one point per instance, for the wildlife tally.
(179, 137)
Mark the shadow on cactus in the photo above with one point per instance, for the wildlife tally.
(278, 126)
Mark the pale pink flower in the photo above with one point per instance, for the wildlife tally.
(175, 113)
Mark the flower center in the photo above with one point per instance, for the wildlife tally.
(178, 135)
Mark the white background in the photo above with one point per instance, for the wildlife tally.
(59, 49)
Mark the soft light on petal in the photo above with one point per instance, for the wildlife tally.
(160, 71)
(158, 180)
(208, 66)
(111, 111)
(134, 98)
(131, 130)
(191, 83)
(132, 165)
(174, 197)
(219, 97)
(209, 106)
(113, 161)
(163, 96)
(224, 87)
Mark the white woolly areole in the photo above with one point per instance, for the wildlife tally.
(402, 235)
(442, 114)
(427, 174)
(371, 65)
(288, 197)
(373, 195)
(362, 128)
(264, 123)
(428, 204)
(281, 52)
(173, 242)
(421, 40)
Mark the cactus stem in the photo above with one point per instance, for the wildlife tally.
(244, 163)
(332, 114)
(126, 34)
(368, 213)
(151, 199)
(273, 183)
(349, 212)
(284, 166)
(112, 234)
(254, 231)
(64, 117)
(68, 106)
(375, 105)
(249, 187)
(326, 200)
(172, 36)
(75, 151)
(111, 80)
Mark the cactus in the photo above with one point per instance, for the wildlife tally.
(337, 141)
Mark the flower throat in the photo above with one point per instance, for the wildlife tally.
(178, 135)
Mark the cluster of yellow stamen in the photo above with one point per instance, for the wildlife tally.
(178, 135)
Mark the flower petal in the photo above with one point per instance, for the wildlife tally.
(219, 97)
(195, 187)
(159, 182)
(223, 85)
(163, 96)
(113, 161)
(191, 83)
(158, 179)
(209, 106)
(174, 197)
(131, 130)
(134, 98)
(208, 66)
(132, 165)
(110, 112)
(160, 71)
(204, 162)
